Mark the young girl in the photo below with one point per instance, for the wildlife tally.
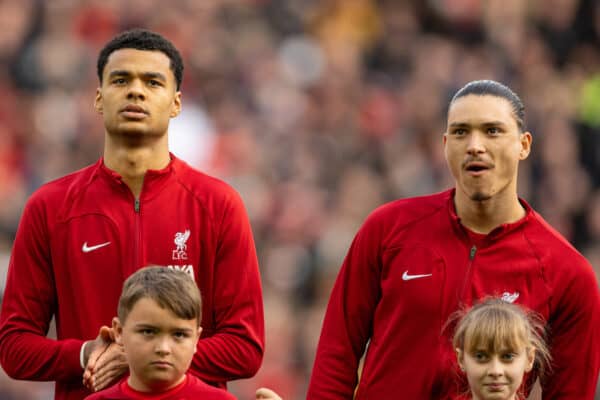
(496, 343)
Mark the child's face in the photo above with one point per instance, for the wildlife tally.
(159, 345)
(495, 376)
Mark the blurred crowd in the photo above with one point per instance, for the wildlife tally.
(316, 111)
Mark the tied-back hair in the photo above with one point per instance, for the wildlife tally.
(171, 289)
(493, 88)
(142, 39)
(495, 325)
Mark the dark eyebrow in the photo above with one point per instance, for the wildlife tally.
(485, 124)
(493, 123)
(459, 125)
(119, 73)
(154, 75)
(146, 75)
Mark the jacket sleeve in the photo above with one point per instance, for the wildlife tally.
(235, 349)
(348, 321)
(575, 336)
(28, 305)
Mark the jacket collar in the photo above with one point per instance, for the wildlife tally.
(497, 232)
(155, 181)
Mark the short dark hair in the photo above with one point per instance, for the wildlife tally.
(142, 39)
(493, 88)
(172, 289)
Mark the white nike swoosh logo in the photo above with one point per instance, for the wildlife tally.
(407, 277)
(86, 249)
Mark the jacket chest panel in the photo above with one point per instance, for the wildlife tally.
(116, 244)
(87, 247)
(514, 279)
(412, 281)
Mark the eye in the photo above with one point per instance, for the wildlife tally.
(459, 132)
(493, 130)
(480, 356)
(148, 332)
(154, 82)
(119, 81)
(508, 357)
(179, 335)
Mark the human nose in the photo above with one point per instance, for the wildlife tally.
(136, 90)
(163, 347)
(495, 367)
(475, 144)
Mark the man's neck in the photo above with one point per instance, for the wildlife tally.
(486, 215)
(132, 162)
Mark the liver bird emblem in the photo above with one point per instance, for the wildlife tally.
(180, 239)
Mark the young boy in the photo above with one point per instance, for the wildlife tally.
(158, 325)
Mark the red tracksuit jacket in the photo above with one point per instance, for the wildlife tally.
(411, 265)
(82, 235)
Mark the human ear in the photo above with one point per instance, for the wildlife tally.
(526, 140)
(118, 330)
(460, 358)
(530, 359)
(199, 332)
(98, 101)
(176, 107)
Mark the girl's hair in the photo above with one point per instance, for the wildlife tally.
(494, 324)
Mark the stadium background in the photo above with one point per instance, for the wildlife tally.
(316, 111)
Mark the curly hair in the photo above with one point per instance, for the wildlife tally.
(142, 39)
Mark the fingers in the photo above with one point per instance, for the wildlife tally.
(105, 367)
(106, 333)
(114, 356)
(264, 393)
(94, 347)
(107, 378)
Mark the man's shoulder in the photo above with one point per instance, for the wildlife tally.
(202, 185)
(407, 218)
(543, 235)
(61, 188)
(554, 251)
(412, 209)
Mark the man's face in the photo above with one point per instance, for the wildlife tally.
(483, 146)
(138, 94)
(159, 346)
(496, 376)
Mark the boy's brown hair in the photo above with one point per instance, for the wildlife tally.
(171, 289)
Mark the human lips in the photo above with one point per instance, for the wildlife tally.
(477, 168)
(133, 111)
(495, 386)
(161, 364)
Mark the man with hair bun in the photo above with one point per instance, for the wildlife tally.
(416, 261)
